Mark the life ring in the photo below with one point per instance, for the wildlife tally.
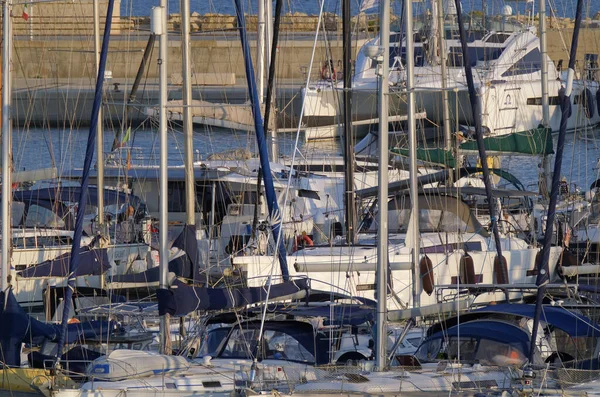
(302, 241)
(588, 103)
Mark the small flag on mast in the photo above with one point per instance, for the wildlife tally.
(126, 137)
(368, 4)
(25, 14)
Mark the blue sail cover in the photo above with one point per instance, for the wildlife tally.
(335, 314)
(92, 262)
(18, 327)
(185, 266)
(495, 330)
(572, 323)
(182, 299)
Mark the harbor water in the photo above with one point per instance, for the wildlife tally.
(64, 149)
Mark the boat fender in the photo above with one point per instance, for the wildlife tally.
(501, 270)
(426, 270)
(588, 103)
(467, 269)
(598, 100)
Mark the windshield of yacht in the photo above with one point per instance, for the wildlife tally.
(471, 350)
(213, 340)
(276, 345)
(399, 55)
(430, 220)
(476, 54)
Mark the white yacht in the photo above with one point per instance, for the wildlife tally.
(457, 256)
(42, 233)
(506, 64)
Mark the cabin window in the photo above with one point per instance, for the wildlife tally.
(575, 348)
(281, 346)
(553, 101)
(455, 57)
(213, 341)
(530, 63)
(241, 344)
(429, 221)
(38, 216)
(498, 38)
(490, 352)
(429, 351)
(176, 201)
(18, 210)
(465, 346)
(397, 52)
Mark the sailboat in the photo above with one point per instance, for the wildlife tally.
(463, 354)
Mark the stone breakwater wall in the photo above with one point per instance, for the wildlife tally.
(56, 42)
(69, 59)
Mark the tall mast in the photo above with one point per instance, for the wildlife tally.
(260, 48)
(274, 211)
(413, 229)
(6, 144)
(382, 198)
(348, 138)
(499, 261)
(543, 276)
(545, 100)
(85, 176)
(100, 132)
(442, 59)
(188, 131)
(269, 38)
(159, 27)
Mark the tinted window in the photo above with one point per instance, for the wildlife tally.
(396, 52)
(455, 56)
(41, 216)
(530, 63)
(213, 341)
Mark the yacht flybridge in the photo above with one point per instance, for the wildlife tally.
(506, 62)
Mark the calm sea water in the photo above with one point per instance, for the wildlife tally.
(562, 8)
(36, 148)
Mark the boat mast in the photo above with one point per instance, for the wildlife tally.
(348, 137)
(413, 227)
(275, 214)
(543, 276)
(382, 197)
(6, 142)
(159, 28)
(443, 68)
(260, 48)
(499, 261)
(188, 130)
(270, 102)
(100, 132)
(547, 160)
(83, 196)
